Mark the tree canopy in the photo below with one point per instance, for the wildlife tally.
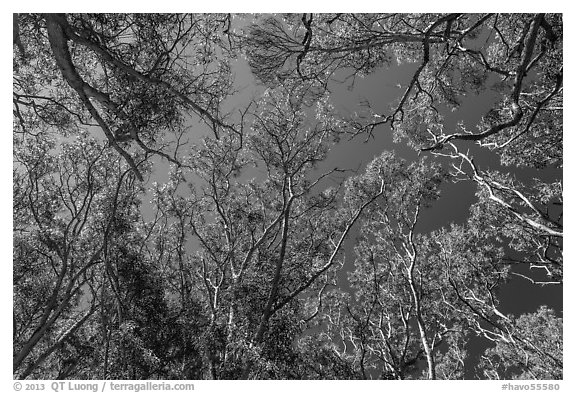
(168, 225)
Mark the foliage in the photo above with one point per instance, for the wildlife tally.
(255, 259)
(536, 357)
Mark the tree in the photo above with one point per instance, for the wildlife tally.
(262, 245)
(456, 55)
(419, 296)
(390, 321)
(527, 218)
(65, 208)
(131, 75)
(537, 357)
(255, 258)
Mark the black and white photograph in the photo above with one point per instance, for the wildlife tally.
(287, 196)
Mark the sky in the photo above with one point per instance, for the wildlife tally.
(381, 89)
(378, 88)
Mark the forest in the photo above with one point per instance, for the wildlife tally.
(196, 196)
